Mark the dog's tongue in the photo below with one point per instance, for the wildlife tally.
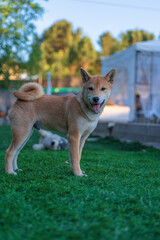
(96, 107)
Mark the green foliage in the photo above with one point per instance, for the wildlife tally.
(110, 45)
(133, 36)
(33, 66)
(58, 37)
(16, 22)
(86, 53)
(118, 200)
(65, 50)
(16, 29)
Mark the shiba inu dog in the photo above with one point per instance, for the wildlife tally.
(75, 115)
(50, 141)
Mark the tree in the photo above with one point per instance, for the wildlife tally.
(73, 53)
(86, 53)
(108, 44)
(65, 50)
(59, 37)
(16, 29)
(56, 42)
(81, 54)
(35, 56)
(73, 59)
(133, 36)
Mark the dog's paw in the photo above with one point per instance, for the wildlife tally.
(13, 173)
(81, 174)
(84, 174)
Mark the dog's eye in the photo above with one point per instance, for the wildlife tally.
(90, 88)
(103, 89)
(52, 143)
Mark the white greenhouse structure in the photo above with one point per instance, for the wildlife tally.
(138, 73)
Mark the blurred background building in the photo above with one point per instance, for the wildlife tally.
(136, 92)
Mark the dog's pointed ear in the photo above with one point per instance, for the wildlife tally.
(111, 75)
(85, 75)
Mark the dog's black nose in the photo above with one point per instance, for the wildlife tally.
(96, 99)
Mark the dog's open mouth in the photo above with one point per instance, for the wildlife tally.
(96, 107)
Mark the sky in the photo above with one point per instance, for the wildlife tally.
(95, 17)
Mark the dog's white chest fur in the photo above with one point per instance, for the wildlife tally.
(86, 127)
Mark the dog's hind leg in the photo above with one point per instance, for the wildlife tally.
(21, 134)
(15, 166)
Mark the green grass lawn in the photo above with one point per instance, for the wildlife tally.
(120, 198)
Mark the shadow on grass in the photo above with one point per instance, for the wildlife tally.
(108, 143)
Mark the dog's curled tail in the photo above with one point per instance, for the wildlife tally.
(29, 92)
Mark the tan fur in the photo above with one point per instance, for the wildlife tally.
(75, 116)
(29, 92)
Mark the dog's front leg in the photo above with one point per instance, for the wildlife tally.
(82, 142)
(74, 141)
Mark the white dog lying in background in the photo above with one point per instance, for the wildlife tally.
(50, 141)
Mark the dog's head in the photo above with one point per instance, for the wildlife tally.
(52, 144)
(55, 144)
(97, 89)
(52, 141)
